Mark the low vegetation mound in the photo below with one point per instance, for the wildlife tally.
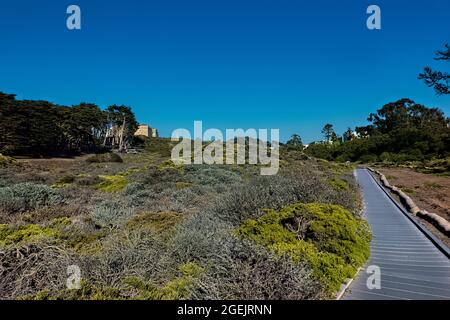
(24, 234)
(327, 237)
(6, 161)
(150, 229)
(104, 157)
(28, 196)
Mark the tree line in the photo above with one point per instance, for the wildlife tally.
(30, 127)
(398, 131)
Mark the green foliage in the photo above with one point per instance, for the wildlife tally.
(161, 146)
(110, 214)
(27, 196)
(83, 243)
(176, 289)
(339, 184)
(117, 182)
(6, 161)
(400, 131)
(368, 158)
(169, 164)
(105, 157)
(348, 135)
(88, 180)
(295, 143)
(53, 128)
(328, 132)
(210, 175)
(155, 221)
(435, 166)
(182, 185)
(113, 183)
(67, 179)
(327, 237)
(61, 222)
(59, 129)
(87, 291)
(64, 182)
(24, 234)
(123, 122)
(438, 80)
(320, 150)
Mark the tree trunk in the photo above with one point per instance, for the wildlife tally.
(121, 137)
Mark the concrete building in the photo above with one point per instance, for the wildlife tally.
(146, 131)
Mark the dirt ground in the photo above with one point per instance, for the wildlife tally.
(430, 192)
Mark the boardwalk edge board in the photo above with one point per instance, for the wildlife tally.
(438, 243)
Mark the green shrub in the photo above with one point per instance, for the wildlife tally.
(28, 196)
(6, 161)
(84, 243)
(105, 157)
(176, 289)
(87, 180)
(339, 184)
(159, 145)
(110, 214)
(67, 179)
(64, 182)
(182, 185)
(327, 237)
(87, 291)
(320, 150)
(112, 183)
(436, 166)
(117, 182)
(169, 164)
(369, 158)
(24, 234)
(211, 175)
(155, 221)
(61, 222)
(275, 192)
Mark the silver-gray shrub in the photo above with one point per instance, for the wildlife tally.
(249, 272)
(28, 196)
(29, 269)
(211, 175)
(167, 197)
(235, 268)
(111, 214)
(249, 200)
(139, 254)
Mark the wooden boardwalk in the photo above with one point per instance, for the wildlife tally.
(411, 266)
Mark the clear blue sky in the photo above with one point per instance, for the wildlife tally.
(292, 65)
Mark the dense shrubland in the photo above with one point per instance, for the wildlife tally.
(145, 228)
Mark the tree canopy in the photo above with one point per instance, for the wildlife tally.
(295, 142)
(328, 132)
(438, 80)
(401, 130)
(29, 127)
